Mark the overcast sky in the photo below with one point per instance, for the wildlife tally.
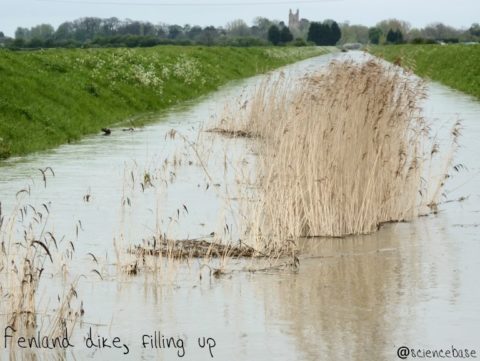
(26, 13)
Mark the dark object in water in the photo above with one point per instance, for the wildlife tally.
(106, 131)
(128, 129)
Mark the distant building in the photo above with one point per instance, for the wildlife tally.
(294, 21)
(298, 27)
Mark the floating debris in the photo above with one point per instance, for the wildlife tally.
(233, 133)
(193, 249)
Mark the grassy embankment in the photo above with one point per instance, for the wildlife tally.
(457, 66)
(52, 97)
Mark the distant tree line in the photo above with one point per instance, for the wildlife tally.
(394, 31)
(113, 32)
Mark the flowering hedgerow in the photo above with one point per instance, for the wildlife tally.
(149, 71)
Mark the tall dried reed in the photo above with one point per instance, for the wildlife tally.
(340, 152)
(30, 254)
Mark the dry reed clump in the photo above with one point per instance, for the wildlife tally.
(30, 253)
(340, 153)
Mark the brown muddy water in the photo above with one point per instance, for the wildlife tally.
(358, 298)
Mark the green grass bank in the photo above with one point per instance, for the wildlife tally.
(457, 66)
(52, 97)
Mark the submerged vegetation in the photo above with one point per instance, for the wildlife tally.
(51, 97)
(454, 65)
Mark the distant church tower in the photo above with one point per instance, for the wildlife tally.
(294, 20)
